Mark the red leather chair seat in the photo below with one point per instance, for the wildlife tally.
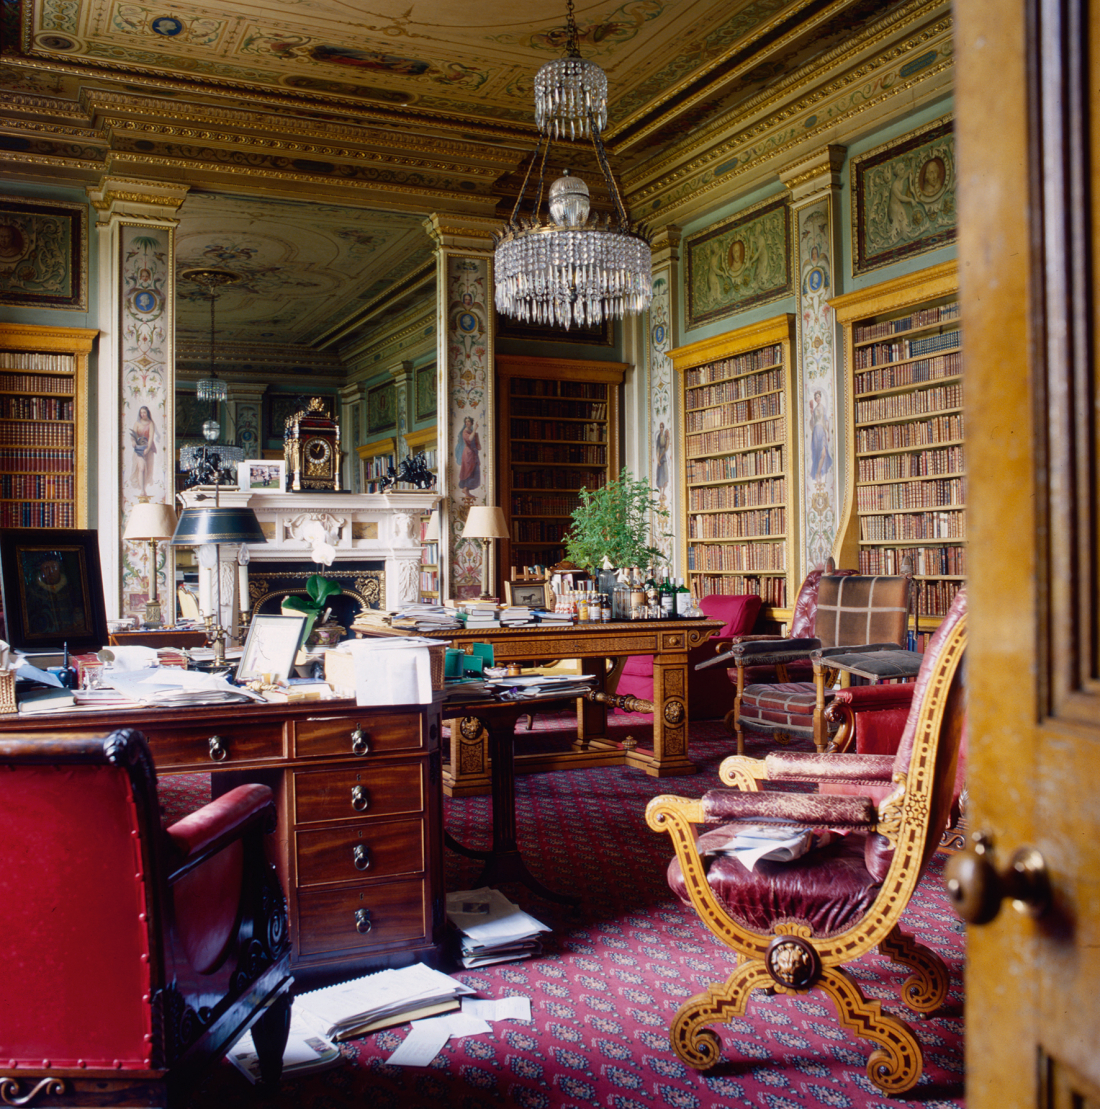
(829, 889)
(786, 704)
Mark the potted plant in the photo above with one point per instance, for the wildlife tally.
(612, 526)
(318, 587)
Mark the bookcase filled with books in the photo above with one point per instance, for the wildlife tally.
(376, 459)
(558, 433)
(44, 426)
(907, 440)
(735, 437)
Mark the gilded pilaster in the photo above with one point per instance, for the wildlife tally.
(814, 185)
(467, 409)
(136, 222)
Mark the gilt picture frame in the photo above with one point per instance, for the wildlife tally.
(43, 255)
(52, 589)
(533, 594)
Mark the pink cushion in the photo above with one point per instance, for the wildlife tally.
(639, 666)
(739, 613)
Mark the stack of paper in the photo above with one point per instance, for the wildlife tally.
(307, 1051)
(513, 615)
(425, 617)
(541, 685)
(389, 997)
(492, 929)
(772, 843)
(555, 617)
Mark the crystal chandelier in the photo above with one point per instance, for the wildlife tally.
(574, 267)
(211, 388)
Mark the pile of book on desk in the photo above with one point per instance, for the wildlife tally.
(491, 929)
(424, 618)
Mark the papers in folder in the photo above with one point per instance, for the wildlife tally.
(391, 670)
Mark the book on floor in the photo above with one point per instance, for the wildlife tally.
(341, 1009)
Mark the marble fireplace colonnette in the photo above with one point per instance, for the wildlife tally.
(365, 528)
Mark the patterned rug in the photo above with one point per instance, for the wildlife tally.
(614, 972)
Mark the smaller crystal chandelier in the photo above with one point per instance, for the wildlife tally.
(210, 281)
(574, 267)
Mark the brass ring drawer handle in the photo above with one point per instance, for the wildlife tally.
(218, 751)
(362, 920)
(359, 744)
(359, 799)
(361, 857)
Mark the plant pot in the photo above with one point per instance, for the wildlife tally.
(326, 635)
(310, 618)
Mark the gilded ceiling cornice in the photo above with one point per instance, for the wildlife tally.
(265, 142)
(52, 162)
(270, 99)
(420, 330)
(129, 111)
(239, 354)
(697, 76)
(804, 86)
(195, 171)
(55, 107)
(55, 130)
(690, 181)
(416, 280)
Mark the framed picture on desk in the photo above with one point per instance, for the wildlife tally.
(52, 589)
(533, 594)
(270, 648)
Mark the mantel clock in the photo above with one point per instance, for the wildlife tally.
(312, 448)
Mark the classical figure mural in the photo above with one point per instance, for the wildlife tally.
(903, 197)
(741, 262)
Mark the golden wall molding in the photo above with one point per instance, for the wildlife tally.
(776, 330)
(818, 172)
(474, 235)
(753, 150)
(413, 335)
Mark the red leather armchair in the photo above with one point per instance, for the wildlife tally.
(134, 956)
(709, 695)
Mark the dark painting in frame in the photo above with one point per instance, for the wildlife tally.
(594, 335)
(381, 408)
(52, 589)
(43, 262)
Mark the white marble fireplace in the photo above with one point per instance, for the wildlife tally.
(362, 527)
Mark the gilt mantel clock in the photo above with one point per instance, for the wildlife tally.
(312, 448)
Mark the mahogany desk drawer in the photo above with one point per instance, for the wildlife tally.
(379, 790)
(372, 916)
(218, 744)
(372, 733)
(368, 849)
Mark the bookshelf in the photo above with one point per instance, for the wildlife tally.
(44, 425)
(376, 459)
(558, 432)
(906, 434)
(740, 501)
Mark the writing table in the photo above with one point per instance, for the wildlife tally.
(503, 862)
(667, 640)
(359, 844)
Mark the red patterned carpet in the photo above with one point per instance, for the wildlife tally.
(614, 972)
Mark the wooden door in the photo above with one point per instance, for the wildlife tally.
(1028, 145)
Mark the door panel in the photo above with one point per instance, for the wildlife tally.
(1025, 135)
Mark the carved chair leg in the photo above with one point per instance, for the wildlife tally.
(269, 1035)
(926, 990)
(896, 1064)
(736, 711)
(693, 1042)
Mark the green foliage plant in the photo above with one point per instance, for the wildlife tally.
(614, 523)
(319, 589)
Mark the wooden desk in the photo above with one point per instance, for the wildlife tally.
(667, 640)
(167, 637)
(360, 834)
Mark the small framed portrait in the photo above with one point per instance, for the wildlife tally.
(270, 648)
(52, 589)
(533, 594)
(261, 475)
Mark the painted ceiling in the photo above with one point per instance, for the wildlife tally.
(316, 136)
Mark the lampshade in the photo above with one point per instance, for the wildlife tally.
(485, 522)
(431, 532)
(150, 521)
(217, 524)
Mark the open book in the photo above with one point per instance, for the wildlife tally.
(388, 997)
(775, 843)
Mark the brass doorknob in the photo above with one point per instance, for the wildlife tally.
(976, 885)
